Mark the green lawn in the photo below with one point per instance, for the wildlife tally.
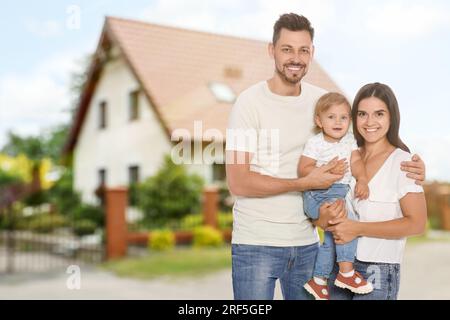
(176, 263)
(430, 236)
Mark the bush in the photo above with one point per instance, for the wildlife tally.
(225, 220)
(7, 178)
(89, 212)
(46, 223)
(226, 199)
(207, 236)
(161, 240)
(321, 235)
(170, 194)
(84, 227)
(63, 195)
(191, 221)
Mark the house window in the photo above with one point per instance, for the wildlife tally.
(133, 174)
(133, 180)
(134, 105)
(102, 177)
(222, 92)
(103, 110)
(219, 172)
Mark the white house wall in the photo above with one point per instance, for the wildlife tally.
(122, 143)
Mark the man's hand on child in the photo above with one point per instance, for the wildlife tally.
(340, 167)
(361, 190)
(321, 177)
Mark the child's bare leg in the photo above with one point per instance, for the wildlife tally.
(345, 266)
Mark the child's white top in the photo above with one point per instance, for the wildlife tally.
(322, 151)
(387, 187)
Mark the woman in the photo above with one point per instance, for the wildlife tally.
(396, 206)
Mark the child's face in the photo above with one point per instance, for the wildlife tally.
(335, 121)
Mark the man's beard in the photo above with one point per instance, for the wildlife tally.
(292, 80)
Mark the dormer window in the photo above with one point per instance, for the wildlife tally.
(222, 92)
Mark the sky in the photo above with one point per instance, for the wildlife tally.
(405, 44)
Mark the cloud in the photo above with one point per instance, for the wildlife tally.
(36, 100)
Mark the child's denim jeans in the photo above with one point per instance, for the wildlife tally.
(328, 251)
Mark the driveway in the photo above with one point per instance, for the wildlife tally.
(424, 276)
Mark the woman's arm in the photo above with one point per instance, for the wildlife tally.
(414, 219)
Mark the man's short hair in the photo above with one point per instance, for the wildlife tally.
(292, 22)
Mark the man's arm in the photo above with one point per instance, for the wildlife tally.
(244, 182)
(307, 164)
(415, 169)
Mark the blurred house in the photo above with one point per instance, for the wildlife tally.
(145, 82)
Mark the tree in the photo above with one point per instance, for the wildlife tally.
(34, 147)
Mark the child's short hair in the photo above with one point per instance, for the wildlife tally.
(328, 100)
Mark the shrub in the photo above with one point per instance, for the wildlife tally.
(226, 199)
(89, 212)
(207, 236)
(63, 195)
(161, 240)
(321, 234)
(46, 223)
(7, 178)
(191, 221)
(225, 220)
(84, 227)
(170, 194)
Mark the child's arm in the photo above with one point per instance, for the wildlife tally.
(305, 166)
(359, 172)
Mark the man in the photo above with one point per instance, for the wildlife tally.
(268, 127)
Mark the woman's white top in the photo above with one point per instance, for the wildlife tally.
(387, 187)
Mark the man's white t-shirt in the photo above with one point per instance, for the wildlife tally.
(274, 128)
(387, 187)
(323, 151)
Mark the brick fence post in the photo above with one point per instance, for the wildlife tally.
(445, 211)
(211, 206)
(116, 225)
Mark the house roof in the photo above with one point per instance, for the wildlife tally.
(175, 66)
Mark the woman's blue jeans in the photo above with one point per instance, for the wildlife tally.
(385, 278)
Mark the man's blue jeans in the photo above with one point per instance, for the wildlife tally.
(256, 268)
(329, 251)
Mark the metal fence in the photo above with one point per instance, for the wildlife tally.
(36, 240)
